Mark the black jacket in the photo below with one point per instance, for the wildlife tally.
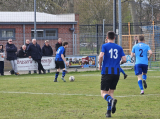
(47, 50)
(57, 46)
(11, 50)
(27, 46)
(34, 51)
(22, 54)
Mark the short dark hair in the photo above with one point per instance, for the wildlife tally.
(65, 43)
(111, 35)
(141, 38)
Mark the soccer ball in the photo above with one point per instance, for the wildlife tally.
(71, 78)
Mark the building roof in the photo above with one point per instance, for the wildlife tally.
(28, 18)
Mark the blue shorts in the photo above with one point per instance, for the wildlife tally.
(139, 68)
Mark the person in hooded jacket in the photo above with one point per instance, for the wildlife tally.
(2, 55)
(34, 52)
(22, 53)
(47, 50)
(11, 50)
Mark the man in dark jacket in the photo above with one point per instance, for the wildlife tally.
(47, 50)
(22, 53)
(27, 44)
(11, 56)
(58, 44)
(34, 52)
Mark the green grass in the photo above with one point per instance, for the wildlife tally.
(56, 104)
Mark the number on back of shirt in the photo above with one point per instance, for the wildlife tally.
(113, 53)
(58, 51)
(141, 52)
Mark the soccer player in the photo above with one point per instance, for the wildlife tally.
(121, 70)
(111, 55)
(60, 60)
(140, 50)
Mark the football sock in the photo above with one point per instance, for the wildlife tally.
(56, 76)
(108, 98)
(144, 77)
(63, 73)
(109, 106)
(122, 71)
(140, 84)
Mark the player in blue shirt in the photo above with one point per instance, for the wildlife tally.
(60, 60)
(140, 51)
(111, 55)
(121, 70)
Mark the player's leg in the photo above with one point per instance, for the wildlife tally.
(62, 66)
(65, 68)
(125, 75)
(138, 73)
(140, 83)
(57, 71)
(144, 76)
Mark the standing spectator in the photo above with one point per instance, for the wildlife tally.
(59, 44)
(47, 50)
(2, 55)
(22, 53)
(11, 56)
(135, 40)
(34, 52)
(27, 44)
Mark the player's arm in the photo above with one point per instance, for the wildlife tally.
(150, 54)
(62, 56)
(132, 54)
(123, 59)
(100, 59)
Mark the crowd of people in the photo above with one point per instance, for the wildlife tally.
(31, 50)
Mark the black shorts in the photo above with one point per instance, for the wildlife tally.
(59, 64)
(109, 81)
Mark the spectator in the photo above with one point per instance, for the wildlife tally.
(22, 53)
(135, 40)
(11, 56)
(58, 44)
(2, 55)
(34, 52)
(27, 44)
(47, 50)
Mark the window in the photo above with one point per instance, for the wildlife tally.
(5, 34)
(45, 34)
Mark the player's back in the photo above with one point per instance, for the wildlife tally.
(141, 50)
(59, 52)
(112, 57)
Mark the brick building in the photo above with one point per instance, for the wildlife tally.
(20, 26)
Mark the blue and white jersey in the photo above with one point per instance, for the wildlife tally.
(112, 57)
(59, 52)
(141, 50)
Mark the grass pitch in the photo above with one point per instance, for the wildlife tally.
(38, 97)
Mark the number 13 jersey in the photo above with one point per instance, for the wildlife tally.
(112, 57)
(141, 50)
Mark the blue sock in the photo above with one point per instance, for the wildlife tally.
(109, 106)
(140, 84)
(144, 77)
(108, 98)
(56, 76)
(122, 71)
(63, 73)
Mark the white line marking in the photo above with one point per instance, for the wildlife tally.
(31, 93)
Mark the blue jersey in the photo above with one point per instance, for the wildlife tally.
(59, 52)
(141, 50)
(112, 57)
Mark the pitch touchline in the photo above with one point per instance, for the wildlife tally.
(31, 93)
